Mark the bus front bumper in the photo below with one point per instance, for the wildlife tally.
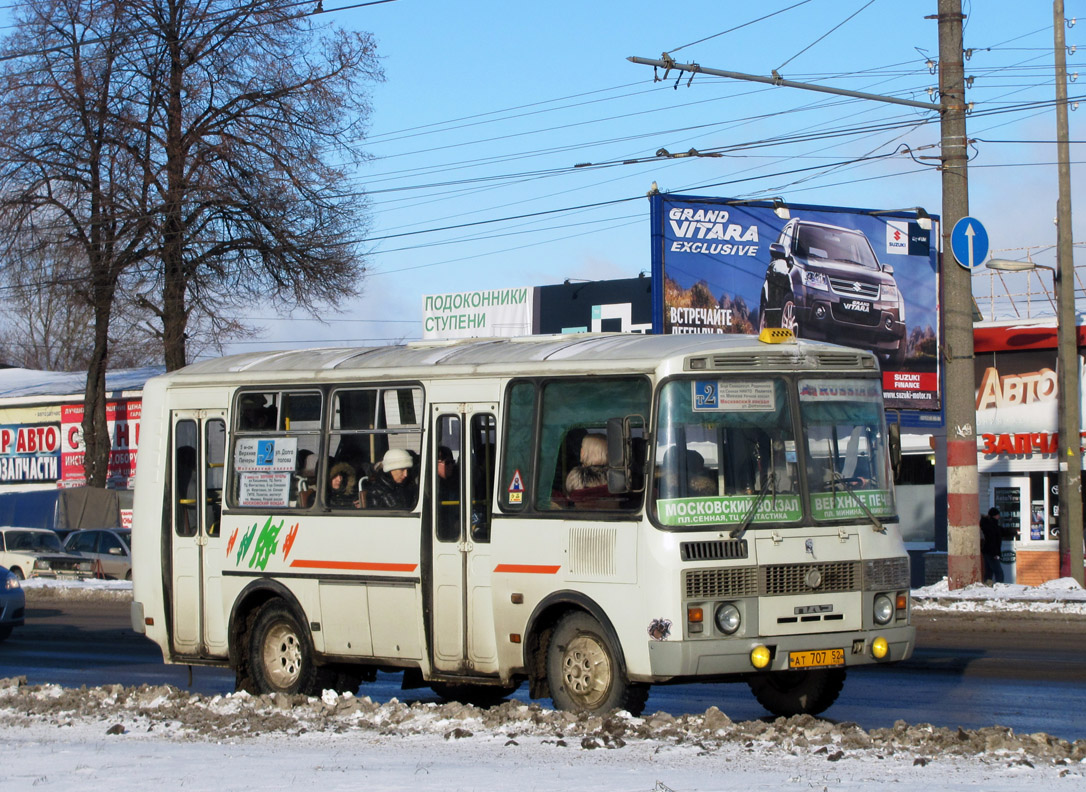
(722, 657)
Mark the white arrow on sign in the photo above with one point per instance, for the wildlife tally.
(969, 234)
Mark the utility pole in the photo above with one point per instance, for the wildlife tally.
(1070, 456)
(963, 506)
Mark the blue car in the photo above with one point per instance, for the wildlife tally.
(12, 603)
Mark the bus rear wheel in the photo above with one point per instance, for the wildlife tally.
(280, 657)
(787, 693)
(584, 672)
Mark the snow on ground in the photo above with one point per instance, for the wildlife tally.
(132, 738)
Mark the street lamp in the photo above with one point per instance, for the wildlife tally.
(1009, 265)
(1067, 406)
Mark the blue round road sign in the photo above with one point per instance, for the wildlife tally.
(969, 242)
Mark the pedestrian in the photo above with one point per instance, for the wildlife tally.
(991, 545)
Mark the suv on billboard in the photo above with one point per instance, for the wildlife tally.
(825, 282)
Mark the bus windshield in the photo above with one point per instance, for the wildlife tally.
(725, 453)
(847, 460)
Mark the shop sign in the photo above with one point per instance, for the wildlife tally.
(123, 426)
(29, 452)
(1020, 443)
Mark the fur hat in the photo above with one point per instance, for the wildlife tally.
(396, 459)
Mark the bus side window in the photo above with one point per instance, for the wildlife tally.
(483, 446)
(186, 512)
(215, 454)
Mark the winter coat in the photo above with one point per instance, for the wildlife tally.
(346, 495)
(384, 493)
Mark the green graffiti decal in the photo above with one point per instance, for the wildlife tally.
(243, 545)
(266, 544)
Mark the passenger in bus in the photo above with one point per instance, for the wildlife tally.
(393, 484)
(592, 472)
(698, 479)
(255, 413)
(342, 487)
(448, 495)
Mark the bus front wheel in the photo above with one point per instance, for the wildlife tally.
(787, 693)
(584, 672)
(280, 658)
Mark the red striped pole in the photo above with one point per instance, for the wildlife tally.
(963, 512)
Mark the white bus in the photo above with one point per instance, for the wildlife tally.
(590, 514)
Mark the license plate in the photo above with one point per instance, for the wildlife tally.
(859, 306)
(819, 658)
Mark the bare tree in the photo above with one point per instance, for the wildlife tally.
(194, 152)
(252, 120)
(47, 318)
(66, 175)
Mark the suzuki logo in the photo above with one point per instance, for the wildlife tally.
(857, 288)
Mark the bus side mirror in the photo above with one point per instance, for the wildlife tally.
(894, 430)
(625, 455)
(618, 462)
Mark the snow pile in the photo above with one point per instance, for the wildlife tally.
(167, 711)
(1063, 596)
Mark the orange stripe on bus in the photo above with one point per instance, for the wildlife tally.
(528, 569)
(354, 566)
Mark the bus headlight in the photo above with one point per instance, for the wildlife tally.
(879, 648)
(883, 610)
(728, 618)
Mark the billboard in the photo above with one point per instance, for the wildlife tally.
(609, 306)
(855, 277)
(477, 314)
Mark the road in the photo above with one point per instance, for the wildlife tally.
(1023, 671)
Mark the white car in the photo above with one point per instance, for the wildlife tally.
(107, 548)
(37, 552)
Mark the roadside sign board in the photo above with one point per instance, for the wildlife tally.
(969, 242)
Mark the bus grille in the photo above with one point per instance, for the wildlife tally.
(777, 580)
(726, 582)
(592, 551)
(796, 578)
(886, 573)
(722, 550)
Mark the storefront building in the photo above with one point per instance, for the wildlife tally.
(1017, 460)
(41, 433)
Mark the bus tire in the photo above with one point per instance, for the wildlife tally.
(787, 693)
(481, 696)
(280, 657)
(584, 670)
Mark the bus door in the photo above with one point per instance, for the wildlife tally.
(198, 453)
(462, 454)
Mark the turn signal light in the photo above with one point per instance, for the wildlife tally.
(695, 615)
(902, 601)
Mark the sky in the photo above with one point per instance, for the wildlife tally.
(128, 739)
(512, 144)
(488, 107)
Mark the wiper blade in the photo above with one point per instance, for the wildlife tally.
(838, 479)
(748, 518)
